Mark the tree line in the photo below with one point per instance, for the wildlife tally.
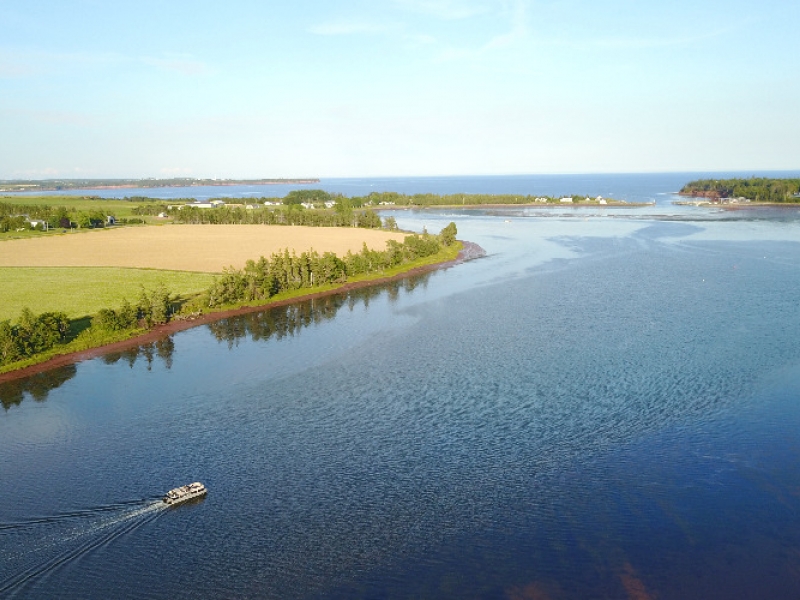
(757, 189)
(308, 207)
(293, 214)
(284, 272)
(15, 216)
(34, 334)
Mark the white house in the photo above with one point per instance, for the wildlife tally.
(210, 204)
(566, 200)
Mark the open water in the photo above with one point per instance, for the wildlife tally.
(605, 406)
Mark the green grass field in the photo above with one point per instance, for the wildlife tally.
(111, 206)
(82, 291)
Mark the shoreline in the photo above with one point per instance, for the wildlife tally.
(521, 205)
(469, 251)
(133, 186)
(736, 205)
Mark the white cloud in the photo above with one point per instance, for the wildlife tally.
(664, 42)
(51, 118)
(349, 27)
(22, 63)
(516, 13)
(13, 67)
(420, 39)
(450, 10)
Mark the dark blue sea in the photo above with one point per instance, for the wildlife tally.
(606, 405)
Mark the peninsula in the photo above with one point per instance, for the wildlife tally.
(55, 185)
(762, 190)
(95, 305)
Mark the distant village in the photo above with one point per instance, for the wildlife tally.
(24, 221)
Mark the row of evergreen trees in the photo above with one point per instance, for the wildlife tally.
(155, 307)
(292, 215)
(758, 189)
(31, 334)
(283, 272)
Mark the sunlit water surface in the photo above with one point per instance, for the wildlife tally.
(602, 407)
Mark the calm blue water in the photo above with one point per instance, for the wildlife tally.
(605, 406)
(640, 187)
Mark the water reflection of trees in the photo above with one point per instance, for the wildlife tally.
(39, 386)
(162, 349)
(36, 386)
(282, 321)
(274, 323)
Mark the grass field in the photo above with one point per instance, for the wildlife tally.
(82, 291)
(111, 206)
(82, 273)
(206, 248)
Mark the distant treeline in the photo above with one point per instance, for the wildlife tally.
(757, 189)
(311, 207)
(398, 199)
(36, 185)
(379, 199)
(19, 216)
(237, 214)
(259, 280)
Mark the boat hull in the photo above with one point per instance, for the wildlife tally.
(185, 493)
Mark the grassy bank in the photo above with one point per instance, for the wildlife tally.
(82, 337)
(445, 255)
(82, 291)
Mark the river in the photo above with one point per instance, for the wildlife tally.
(606, 405)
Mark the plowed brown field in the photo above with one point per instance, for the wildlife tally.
(207, 248)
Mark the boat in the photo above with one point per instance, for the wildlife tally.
(185, 493)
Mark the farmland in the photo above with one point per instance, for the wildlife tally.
(82, 291)
(202, 248)
(79, 273)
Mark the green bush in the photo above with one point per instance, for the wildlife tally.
(32, 334)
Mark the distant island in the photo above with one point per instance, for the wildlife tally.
(740, 190)
(54, 185)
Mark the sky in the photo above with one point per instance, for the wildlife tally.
(352, 88)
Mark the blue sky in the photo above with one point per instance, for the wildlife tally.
(94, 88)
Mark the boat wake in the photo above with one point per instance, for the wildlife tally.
(32, 550)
